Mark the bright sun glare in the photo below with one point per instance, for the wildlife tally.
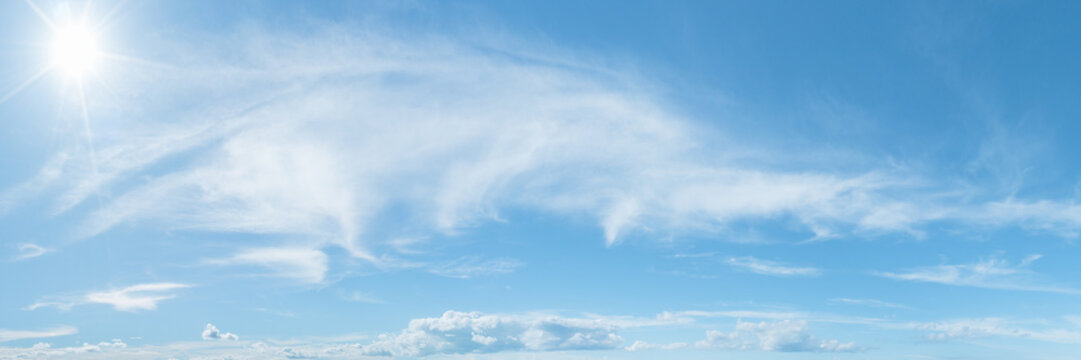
(74, 49)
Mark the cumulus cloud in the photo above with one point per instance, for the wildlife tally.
(461, 333)
(766, 267)
(785, 335)
(212, 333)
(132, 298)
(10, 335)
(991, 273)
(46, 350)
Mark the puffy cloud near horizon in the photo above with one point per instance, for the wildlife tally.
(106, 349)
(212, 333)
(784, 336)
(461, 333)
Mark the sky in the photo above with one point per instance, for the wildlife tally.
(539, 180)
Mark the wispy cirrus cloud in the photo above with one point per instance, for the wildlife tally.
(782, 336)
(767, 267)
(298, 263)
(988, 327)
(468, 267)
(30, 251)
(869, 303)
(320, 134)
(283, 150)
(132, 298)
(991, 273)
(11, 335)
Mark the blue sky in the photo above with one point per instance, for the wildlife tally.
(539, 180)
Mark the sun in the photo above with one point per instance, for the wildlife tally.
(74, 49)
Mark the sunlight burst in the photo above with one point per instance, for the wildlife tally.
(75, 49)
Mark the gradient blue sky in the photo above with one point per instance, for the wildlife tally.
(542, 180)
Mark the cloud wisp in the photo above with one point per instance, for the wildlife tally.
(766, 267)
(132, 298)
(988, 327)
(869, 303)
(11, 335)
(301, 155)
(302, 264)
(781, 336)
(30, 251)
(990, 273)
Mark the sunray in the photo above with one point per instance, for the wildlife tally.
(86, 129)
(97, 80)
(41, 15)
(104, 22)
(26, 83)
(86, 11)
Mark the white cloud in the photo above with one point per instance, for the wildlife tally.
(45, 350)
(318, 135)
(302, 264)
(132, 298)
(766, 267)
(212, 333)
(691, 316)
(991, 273)
(357, 296)
(460, 333)
(1059, 217)
(10, 335)
(987, 327)
(785, 335)
(468, 267)
(870, 303)
(283, 150)
(28, 251)
(642, 345)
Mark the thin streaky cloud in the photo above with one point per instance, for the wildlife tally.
(991, 273)
(869, 303)
(140, 297)
(12, 335)
(29, 251)
(974, 328)
(767, 267)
